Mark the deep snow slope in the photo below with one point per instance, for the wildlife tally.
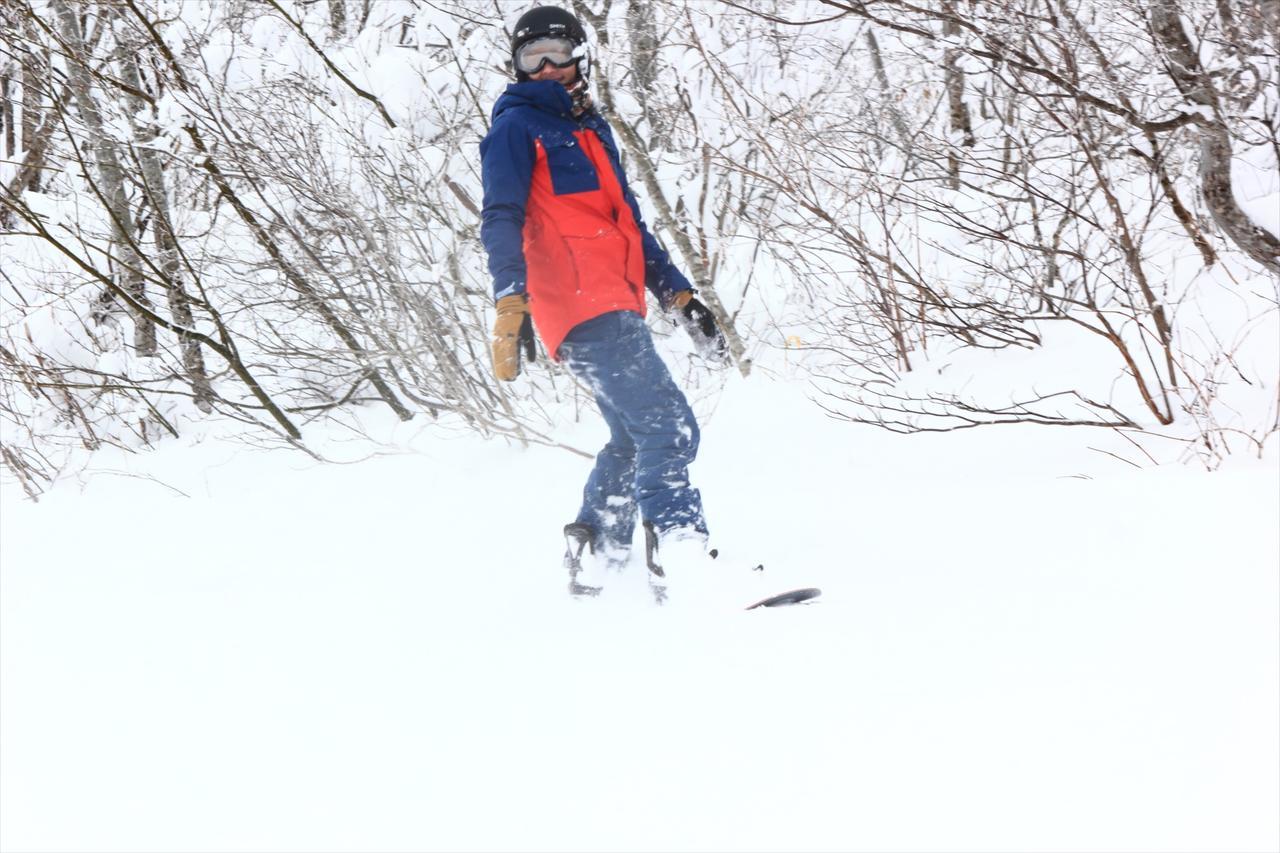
(1024, 645)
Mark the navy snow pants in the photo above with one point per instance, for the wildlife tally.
(653, 433)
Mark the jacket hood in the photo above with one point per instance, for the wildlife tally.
(546, 95)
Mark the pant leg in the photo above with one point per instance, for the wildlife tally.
(615, 355)
(608, 499)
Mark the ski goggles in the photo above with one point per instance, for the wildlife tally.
(532, 55)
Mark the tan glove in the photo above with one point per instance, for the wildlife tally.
(512, 330)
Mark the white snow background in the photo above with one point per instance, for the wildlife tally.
(1029, 638)
(1023, 645)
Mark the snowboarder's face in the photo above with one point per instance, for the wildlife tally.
(563, 76)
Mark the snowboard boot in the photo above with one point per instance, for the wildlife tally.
(589, 560)
(682, 562)
(657, 575)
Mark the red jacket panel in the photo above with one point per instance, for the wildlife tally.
(582, 250)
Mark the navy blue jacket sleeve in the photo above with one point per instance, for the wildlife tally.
(507, 156)
(661, 276)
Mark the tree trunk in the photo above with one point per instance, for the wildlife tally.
(643, 30)
(961, 130)
(1183, 65)
(887, 99)
(110, 186)
(33, 160)
(39, 118)
(34, 73)
(7, 66)
(338, 18)
(6, 112)
(153, 183)
(1269, 15)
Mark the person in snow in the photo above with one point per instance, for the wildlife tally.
(570, 255)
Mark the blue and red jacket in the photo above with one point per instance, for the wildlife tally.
(559, 222)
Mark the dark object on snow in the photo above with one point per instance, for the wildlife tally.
(795, 596)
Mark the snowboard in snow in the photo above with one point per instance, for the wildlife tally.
(578, 540)
(782, 599)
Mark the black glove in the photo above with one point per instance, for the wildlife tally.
(697, 320)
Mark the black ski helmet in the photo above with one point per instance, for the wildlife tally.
(548, 21)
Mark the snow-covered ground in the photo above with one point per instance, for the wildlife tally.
(1023, 644)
